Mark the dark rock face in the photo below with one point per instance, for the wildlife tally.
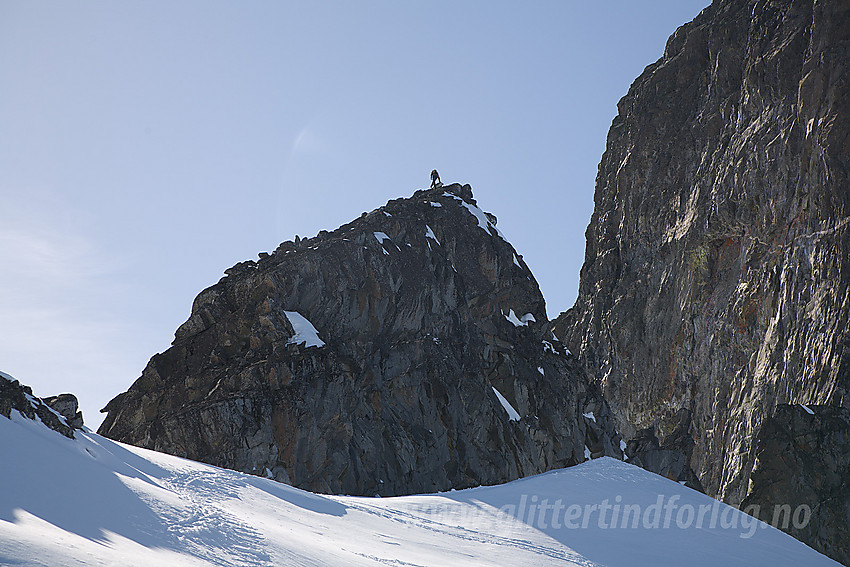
(803, 463)
(364, 361)
(718, 255)
(15, 396)
(671, 457)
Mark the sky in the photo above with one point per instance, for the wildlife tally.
(145, 147)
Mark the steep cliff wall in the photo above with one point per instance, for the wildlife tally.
(368, 360)
(718, 255)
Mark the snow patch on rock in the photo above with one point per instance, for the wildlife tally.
(305, 332)
(513, 415)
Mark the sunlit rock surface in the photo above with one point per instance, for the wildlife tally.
(718, 255)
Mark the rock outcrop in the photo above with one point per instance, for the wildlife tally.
(801, 477)
(669, 457)
(60, 416)
(67, 406)
(407, 351)
(718, 254)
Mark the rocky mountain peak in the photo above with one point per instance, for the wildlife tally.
(406, 351)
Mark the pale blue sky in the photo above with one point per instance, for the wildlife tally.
(145, 147)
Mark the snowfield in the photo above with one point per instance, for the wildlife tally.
(92, 501)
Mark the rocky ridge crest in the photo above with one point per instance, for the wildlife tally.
(59, 413)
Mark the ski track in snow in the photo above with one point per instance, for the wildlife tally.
(207, 531)
(503, 542)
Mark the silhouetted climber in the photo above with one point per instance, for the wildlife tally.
(435, 179)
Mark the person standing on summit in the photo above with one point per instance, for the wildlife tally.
(435, 179)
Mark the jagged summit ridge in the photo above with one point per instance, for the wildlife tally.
(424, 315)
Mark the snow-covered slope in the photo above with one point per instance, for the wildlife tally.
(93, 501)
